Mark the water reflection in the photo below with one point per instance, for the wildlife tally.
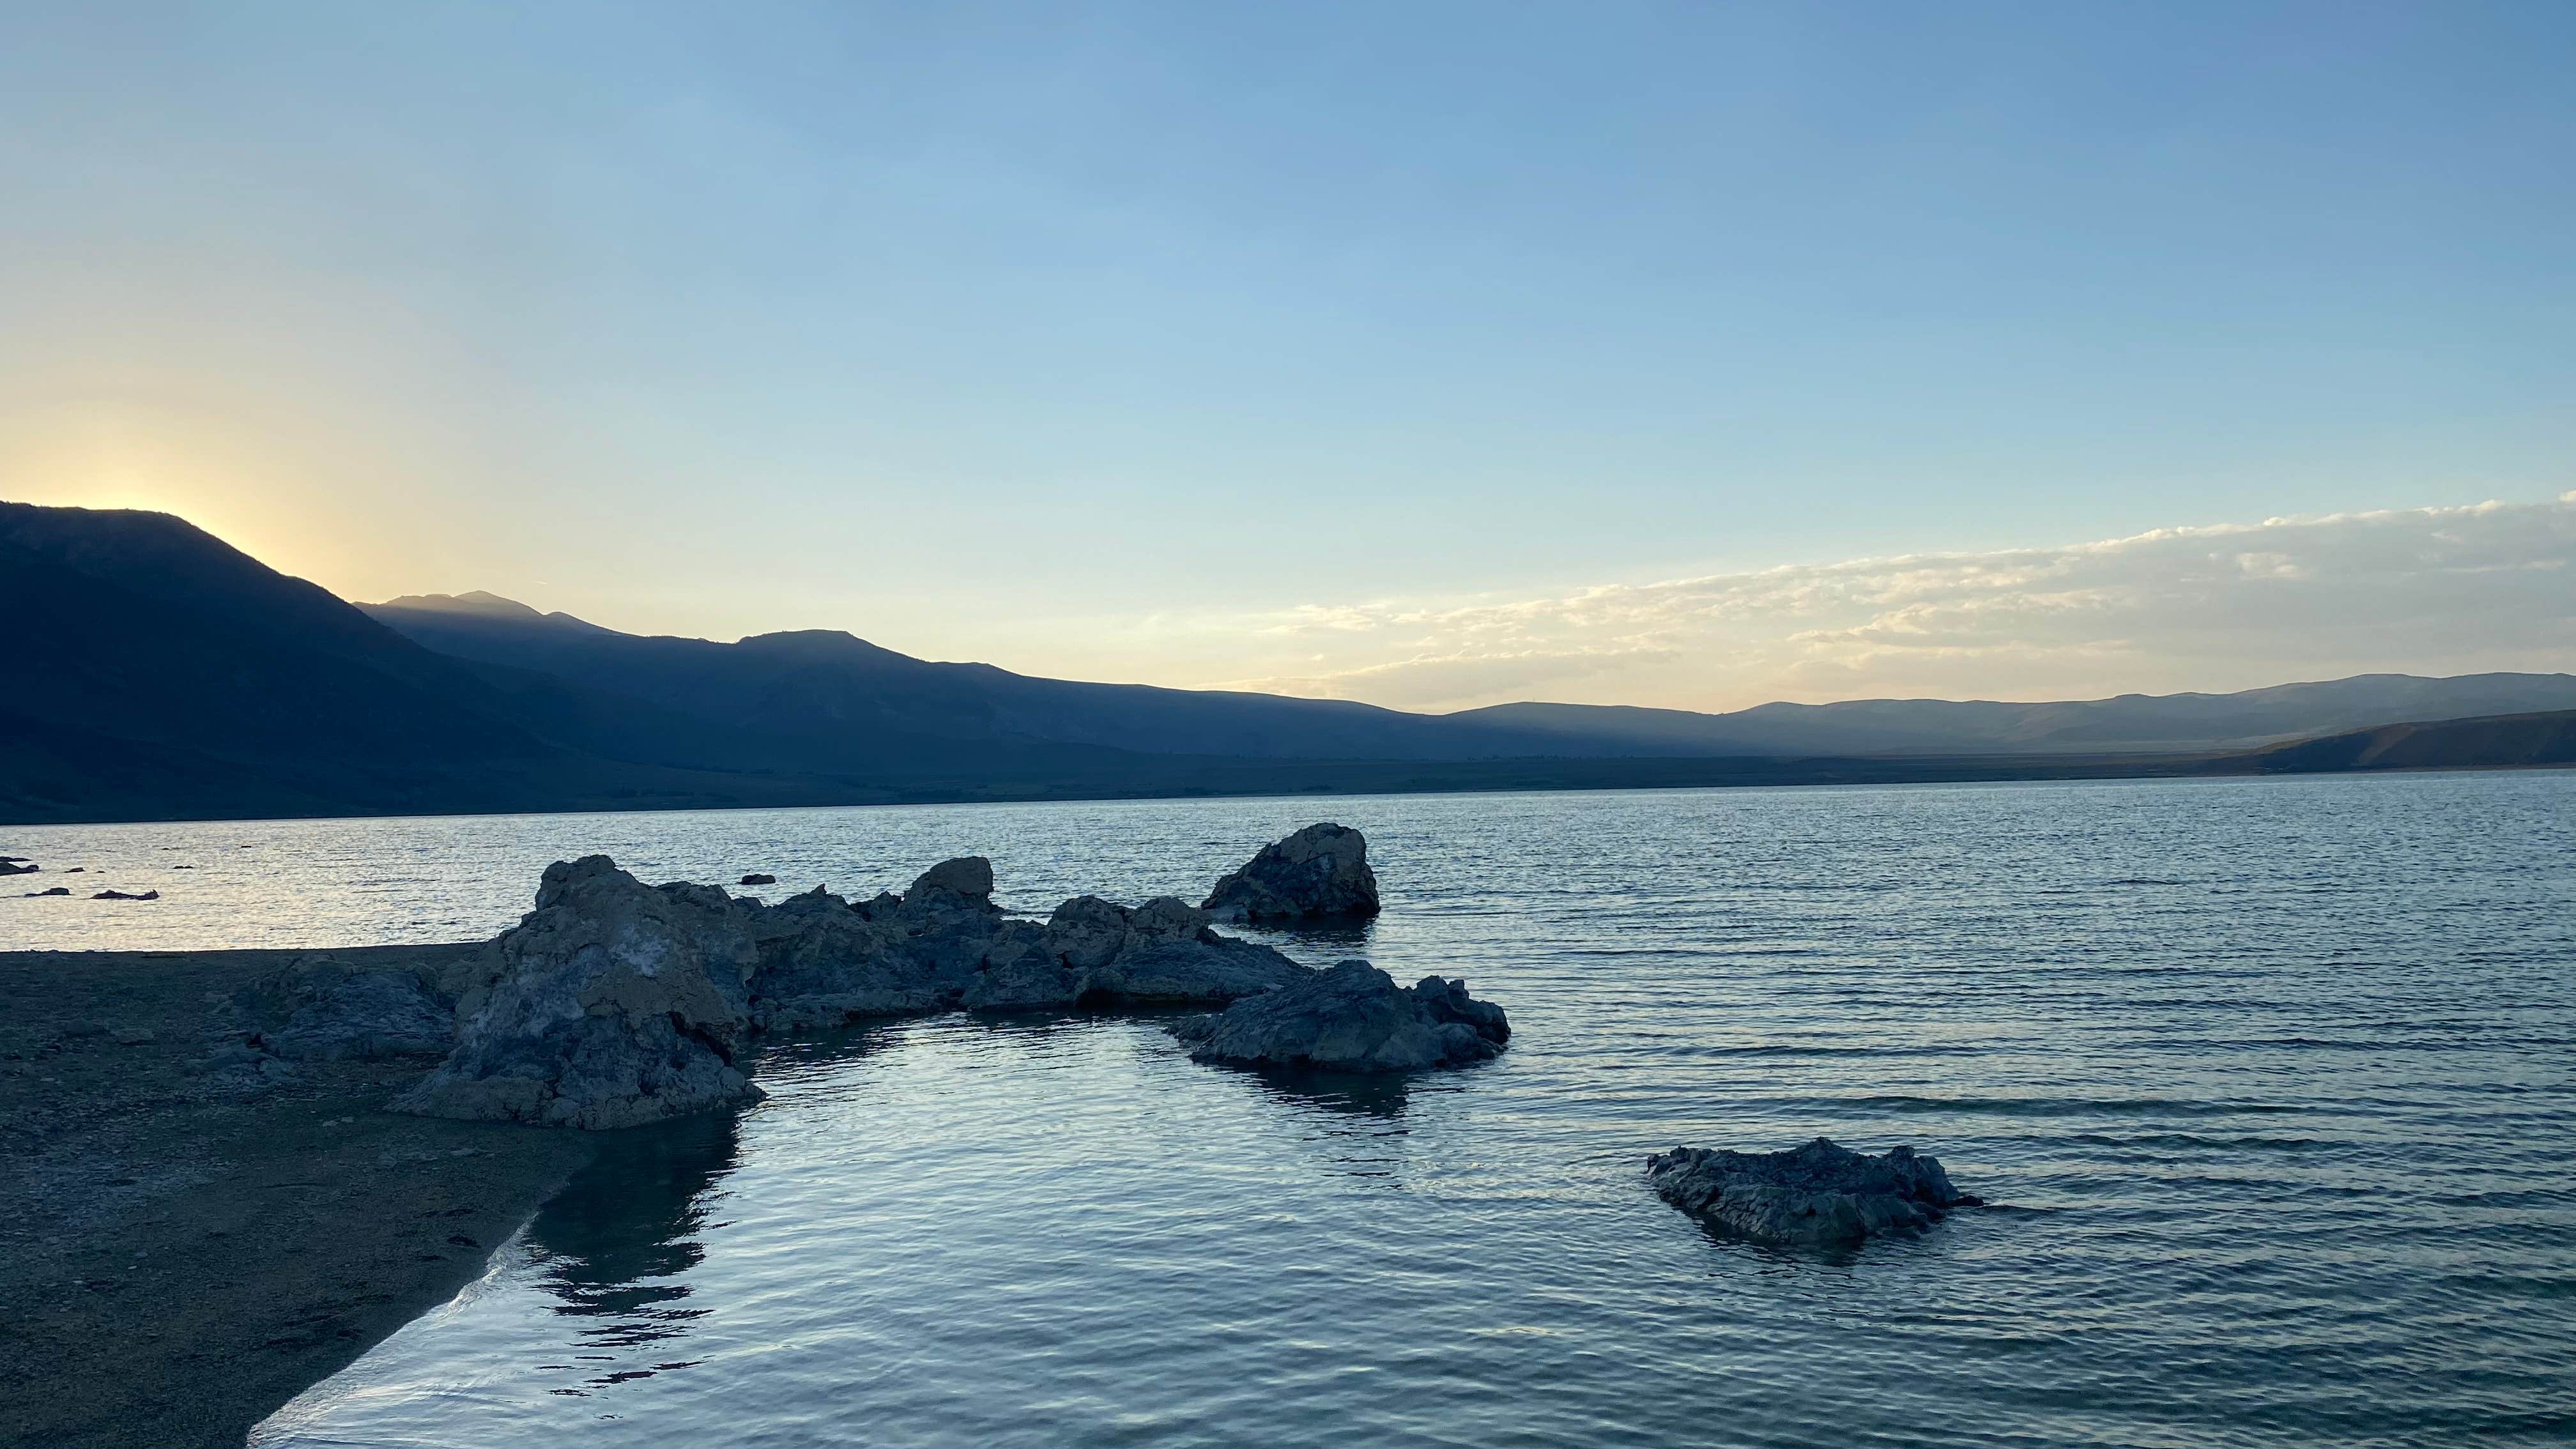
(615, 1245)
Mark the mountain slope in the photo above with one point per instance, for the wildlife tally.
(2130, 723)
(2495, 742)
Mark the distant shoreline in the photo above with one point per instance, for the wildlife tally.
(1295, 779)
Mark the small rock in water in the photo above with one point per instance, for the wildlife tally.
(122, 896)
(1322, 870)
(52, 891)
(1352, 1018)
(758, 880)
(1816, 1194)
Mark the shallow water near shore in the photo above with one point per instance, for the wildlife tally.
(2271, 1080)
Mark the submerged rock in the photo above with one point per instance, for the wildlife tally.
(1352, 1018)
(617, 1003)
(50, 891)
(323, 1010)
(1819, 1193)
(122, 896)
(1322, 870)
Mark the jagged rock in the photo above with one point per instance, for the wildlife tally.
(1096, 953)
(617, 1003)
(1819, 1193)
(322, 1010)
(1351, 1018)
(824, 962)
(122, 896)
(1322, 870)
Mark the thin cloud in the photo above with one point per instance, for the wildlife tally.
(2428, 590)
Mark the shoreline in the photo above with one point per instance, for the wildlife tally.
(180, 1255)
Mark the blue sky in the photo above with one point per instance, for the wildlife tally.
(1131, 341)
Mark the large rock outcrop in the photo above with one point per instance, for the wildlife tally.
(1321, 871)
(1816, 1194)
(1352, 1018)
(617, 1003)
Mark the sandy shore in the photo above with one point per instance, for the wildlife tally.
(183, 1255)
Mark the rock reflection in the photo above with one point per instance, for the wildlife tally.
(616, 1244)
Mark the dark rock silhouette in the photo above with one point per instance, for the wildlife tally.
(1352, 1018)
(758, 880)
(15, 865)
(55, 891)
(1816, 1194)
(122, 896)
(1320, 871)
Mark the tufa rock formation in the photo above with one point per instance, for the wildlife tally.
(1322, 870)
(617, 1003)
(1817, 1194)
(1352, 1018)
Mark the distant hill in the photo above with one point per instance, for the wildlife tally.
(2129, 724)
(817, 683)
(2494, 742)
(153, 672)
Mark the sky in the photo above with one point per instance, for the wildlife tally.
(1433, 355)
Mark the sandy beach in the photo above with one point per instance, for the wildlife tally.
(182, 1253)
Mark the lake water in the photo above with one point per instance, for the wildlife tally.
(2272, 1081)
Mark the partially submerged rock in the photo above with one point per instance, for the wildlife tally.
(1321, 871)
(50, 891)
(758, 880)
(18, 865)
(122, 896)
(1816, 1194)
(618, 1003)
(1352, 1018)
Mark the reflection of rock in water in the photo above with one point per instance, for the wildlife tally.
(1355, 1094)
(1317, 938)
(615, 1241)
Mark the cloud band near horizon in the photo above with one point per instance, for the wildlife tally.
(2451, 590)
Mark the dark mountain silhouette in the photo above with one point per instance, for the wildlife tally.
(2129, 724)
(831, 680)
(153, 671)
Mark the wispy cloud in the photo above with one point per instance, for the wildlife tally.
(2439, 590)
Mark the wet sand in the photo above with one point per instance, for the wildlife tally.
(180, 1255)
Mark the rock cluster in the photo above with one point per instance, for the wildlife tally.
(615, 1002)
(1816, 1194)
(1321, 871)
(1352, 1018)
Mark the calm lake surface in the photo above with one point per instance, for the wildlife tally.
(2273, 1080)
